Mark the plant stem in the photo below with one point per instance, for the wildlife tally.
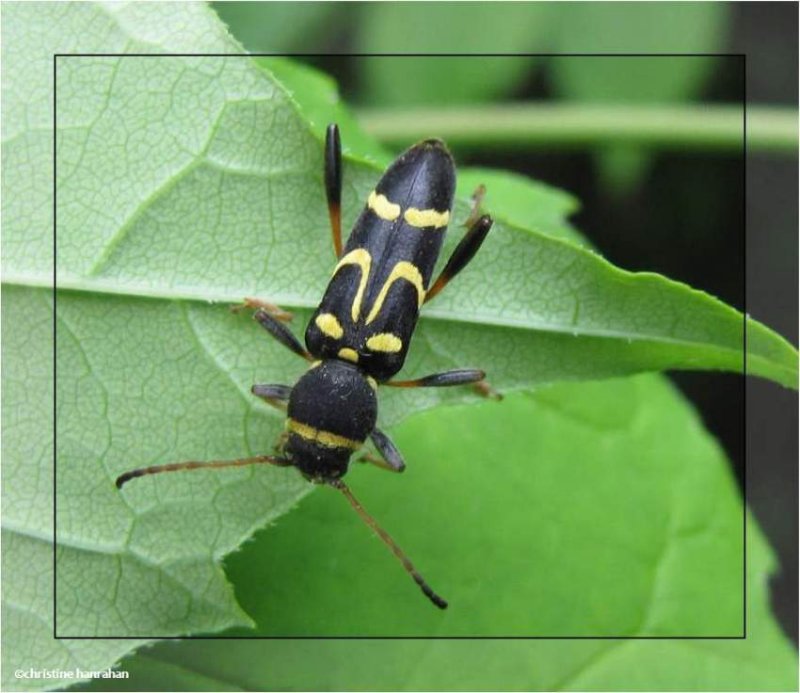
(706, 127)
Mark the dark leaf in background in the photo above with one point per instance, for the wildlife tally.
(276, 27)
(455, 27)
(668, 27)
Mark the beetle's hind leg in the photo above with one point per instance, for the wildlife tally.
(390, 458)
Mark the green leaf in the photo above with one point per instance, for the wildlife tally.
(451, 28)
(31, 34)
(176, 396)
(27, 586)
(592, 508)
(665, 27)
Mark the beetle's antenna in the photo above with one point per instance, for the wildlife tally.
(214, 464)
(386, 539)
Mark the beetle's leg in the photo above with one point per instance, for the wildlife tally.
(475, 208)
(278, 397)
(256, 303)
(484, 389)
(275, 395)
(333, 184)
(377, 460)
(464, 252)
(477, 228)
(185, 466)
(390, 458)
(460, 376)
(281, 333)
(280, 444)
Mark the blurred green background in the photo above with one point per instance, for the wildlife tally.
(677, 208)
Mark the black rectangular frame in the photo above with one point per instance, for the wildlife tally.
(741, 56)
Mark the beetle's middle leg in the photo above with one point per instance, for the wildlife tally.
(459, 376)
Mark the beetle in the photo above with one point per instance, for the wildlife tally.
(358, 337)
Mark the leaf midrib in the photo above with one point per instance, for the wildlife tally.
(100, 288)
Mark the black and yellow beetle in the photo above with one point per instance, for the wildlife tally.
(359, 335)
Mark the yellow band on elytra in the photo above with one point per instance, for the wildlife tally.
(386, 342)
(348, 354)
(382, 207)
(402, 270)
(362, 259)
(426, 217)
(329, 325)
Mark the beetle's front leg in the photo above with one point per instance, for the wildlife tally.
(270, 308)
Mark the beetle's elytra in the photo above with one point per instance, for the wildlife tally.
(359, 335)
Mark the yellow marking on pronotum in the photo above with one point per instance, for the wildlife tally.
(372, 383)
(314, 364)
(386, 342)
(426, 217)
(362, 258)
(348, 354)
(402, 270)
(326, 438)
(329, 325)
(382, 207)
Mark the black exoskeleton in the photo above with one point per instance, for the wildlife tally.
(359, 335)
(335, 401)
